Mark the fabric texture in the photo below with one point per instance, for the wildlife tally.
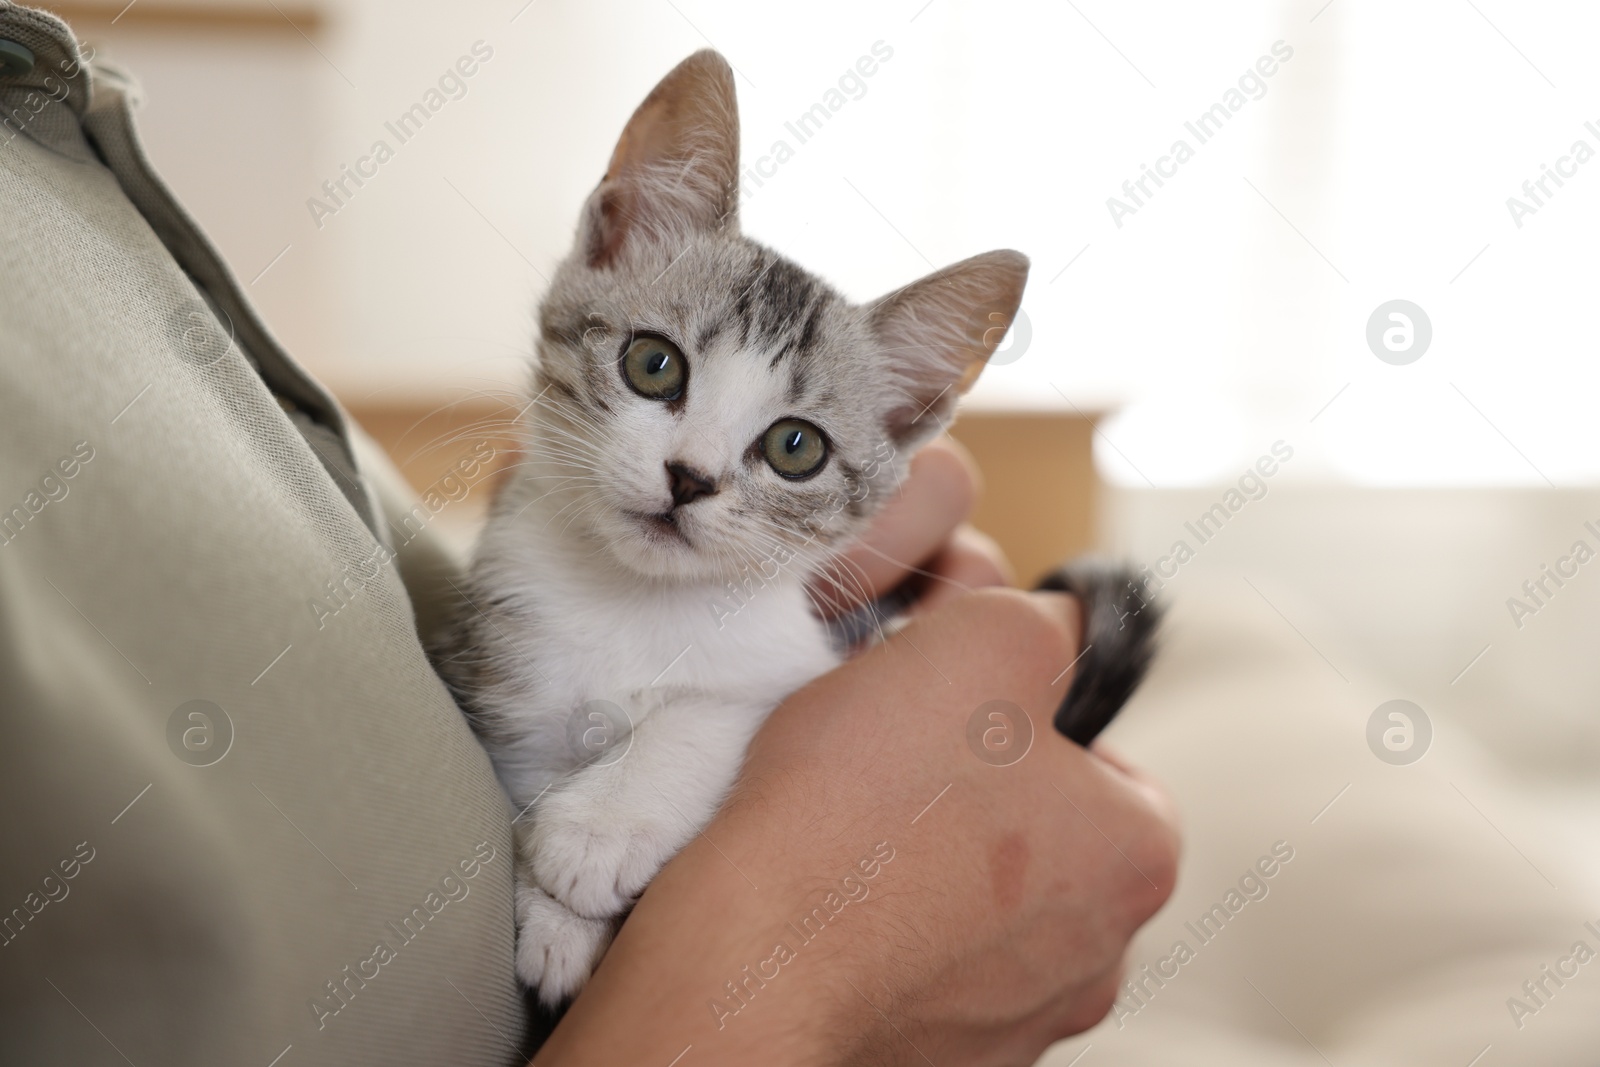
(244, 819)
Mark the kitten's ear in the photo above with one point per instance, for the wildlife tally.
(675, 170)
(938, 332)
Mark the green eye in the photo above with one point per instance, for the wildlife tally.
(795, 449)
(655, 369)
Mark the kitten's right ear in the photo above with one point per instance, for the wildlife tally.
(675, 170)
(938, 332)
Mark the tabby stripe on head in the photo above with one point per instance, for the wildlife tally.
(741, 307)
(787, 292)
(797, 379)
(708, 333)
(566, 331)
(564, 391)
(807, 337)
(595, 375)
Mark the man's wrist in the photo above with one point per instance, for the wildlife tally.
(741, 950)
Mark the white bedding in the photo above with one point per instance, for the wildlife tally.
(1419, 902)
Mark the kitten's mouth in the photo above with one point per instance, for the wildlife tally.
(660, 527)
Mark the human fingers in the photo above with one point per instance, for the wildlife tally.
(939, 492)
(970, 560)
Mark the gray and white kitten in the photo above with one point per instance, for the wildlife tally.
(706, 416)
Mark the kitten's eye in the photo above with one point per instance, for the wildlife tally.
(655, 369)
(795, 449)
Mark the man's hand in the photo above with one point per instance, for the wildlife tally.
(1000, 922)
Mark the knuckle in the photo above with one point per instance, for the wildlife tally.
(1090, 1005)
(986, 561)
(1021, 622)
(959, 470)
(1155, 853)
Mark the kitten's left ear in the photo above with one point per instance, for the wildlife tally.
(938, 332)
(675, 170)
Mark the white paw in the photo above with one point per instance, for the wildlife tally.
(596, 862)
(556, 950)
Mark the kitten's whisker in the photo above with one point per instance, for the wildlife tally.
(582, 504)
(566, 437)
(447, 441)
(844, 589)
(565, 446)
(561, 406)
(965, 588)
(576, 515)
(552, 426)
(562, 453)
(566, 486)
(541, 471)
(479, 394)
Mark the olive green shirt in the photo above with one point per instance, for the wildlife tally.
(243, 821)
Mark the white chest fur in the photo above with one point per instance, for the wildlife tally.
(581, 629)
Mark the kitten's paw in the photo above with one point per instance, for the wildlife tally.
(556, 949)
(595, 863)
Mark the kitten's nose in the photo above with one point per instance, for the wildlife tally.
(688, 484)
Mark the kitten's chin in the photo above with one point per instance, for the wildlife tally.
(657, 546)
(665, 548)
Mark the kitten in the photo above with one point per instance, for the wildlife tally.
(705, 412)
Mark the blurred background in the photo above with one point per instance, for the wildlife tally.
(1373, 164)
(1336, 156)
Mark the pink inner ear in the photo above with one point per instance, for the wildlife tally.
(606, 228)
(675, 170)
(939, 331)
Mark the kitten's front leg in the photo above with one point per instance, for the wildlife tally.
(603, 832)
(557, 949)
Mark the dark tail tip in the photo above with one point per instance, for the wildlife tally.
(1120, 619)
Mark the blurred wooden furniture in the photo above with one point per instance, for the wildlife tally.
(1040, 489)
(239, 15)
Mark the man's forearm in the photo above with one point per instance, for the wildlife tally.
(710, 960)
